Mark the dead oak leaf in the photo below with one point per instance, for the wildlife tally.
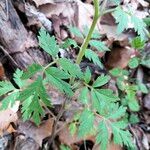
(29, 129)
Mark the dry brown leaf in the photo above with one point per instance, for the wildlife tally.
(111, 32)
(71, 140)
(108, 19)
(7, 116)
(10, 129)
(43, 2)
(66, 138)
(111, 146)
(85, 15)
(37, 133)
(52, 9)
(119, 57)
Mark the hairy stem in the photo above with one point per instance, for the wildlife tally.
(87, 39)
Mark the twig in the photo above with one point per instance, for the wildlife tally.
(54, 117)
(10, 57)
(62, 110)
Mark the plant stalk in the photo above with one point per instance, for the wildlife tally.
(87, 39)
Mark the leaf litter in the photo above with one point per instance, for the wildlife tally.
(58, 15)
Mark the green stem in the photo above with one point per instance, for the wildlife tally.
(52, 63)
(109, 11)
(87, 39)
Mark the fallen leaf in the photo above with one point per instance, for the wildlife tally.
(119, 57)
(29, 129)
(10, 129)
(57, 9)
(6, 117)
(111, 146)
(66, 138)
(111, 32)
(43, 2)
(85, 15)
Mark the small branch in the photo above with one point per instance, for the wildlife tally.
(62, 110)
(50, 64)
(109, 11)
(8, 55)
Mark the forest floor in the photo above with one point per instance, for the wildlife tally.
(20, 22)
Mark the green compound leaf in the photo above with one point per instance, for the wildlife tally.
(139, 26)
(18, 78)
(100, 46)
(31, 71)
(87, 75)
(146, 62)
(86, 123)
(131, 98)
(32, 109)
(133, 105)
(118, 113)
(71, 68)
(142, 88)
(120, 83)
(137, 43)
(147, 21)
(84, 95)
(134, 62)
(101, 80)
(120, 136)
(74, 30)
(10, 100)
(5, 87)
(122, 19)
(102, 98)
(107, 95)
(102, 137)
(69, 42)
(134, 119)
(116, 72)
(57, 73)
(92, 56)
(48, 43)
(73, 128)
(56, 80)
(32, 97)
